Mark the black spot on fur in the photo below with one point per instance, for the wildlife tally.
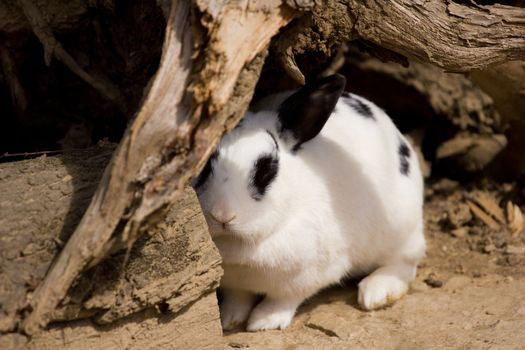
(359, 106)
(207, 171)
(264, 172)
(404, 158)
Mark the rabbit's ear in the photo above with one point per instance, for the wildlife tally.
(305, 112)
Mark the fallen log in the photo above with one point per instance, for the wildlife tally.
(172, 270)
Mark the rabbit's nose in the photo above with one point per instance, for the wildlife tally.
(222, 217)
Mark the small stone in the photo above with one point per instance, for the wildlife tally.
(513, 249)
(433, 282)
(238, 345)
(457, 216)
(459, 232)
(30, 249)
(460, 269)
(489, 248)
(507, 187)
(445, 185)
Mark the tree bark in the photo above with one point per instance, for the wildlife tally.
(455, 36)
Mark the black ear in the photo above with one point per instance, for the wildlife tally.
(305, 112)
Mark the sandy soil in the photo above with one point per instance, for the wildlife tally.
(469, 293)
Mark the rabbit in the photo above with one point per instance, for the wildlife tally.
(314, 186)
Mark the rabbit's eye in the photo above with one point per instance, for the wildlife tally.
(263, 173)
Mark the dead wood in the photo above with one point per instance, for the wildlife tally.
(456, 36)
(172, 266)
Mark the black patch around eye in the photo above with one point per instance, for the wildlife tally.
(264, 172)
(207, 171)
(404, 156)
(358, 106)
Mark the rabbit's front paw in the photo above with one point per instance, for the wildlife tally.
(272, 314)
(383, 287)
(235, 308)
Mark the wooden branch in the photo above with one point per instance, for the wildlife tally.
(456, 36)
(176, 129)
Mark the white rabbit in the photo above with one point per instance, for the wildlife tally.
(301, 196)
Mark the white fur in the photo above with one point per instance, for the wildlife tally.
(338, 207)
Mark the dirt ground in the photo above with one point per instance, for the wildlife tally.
(468, 293)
